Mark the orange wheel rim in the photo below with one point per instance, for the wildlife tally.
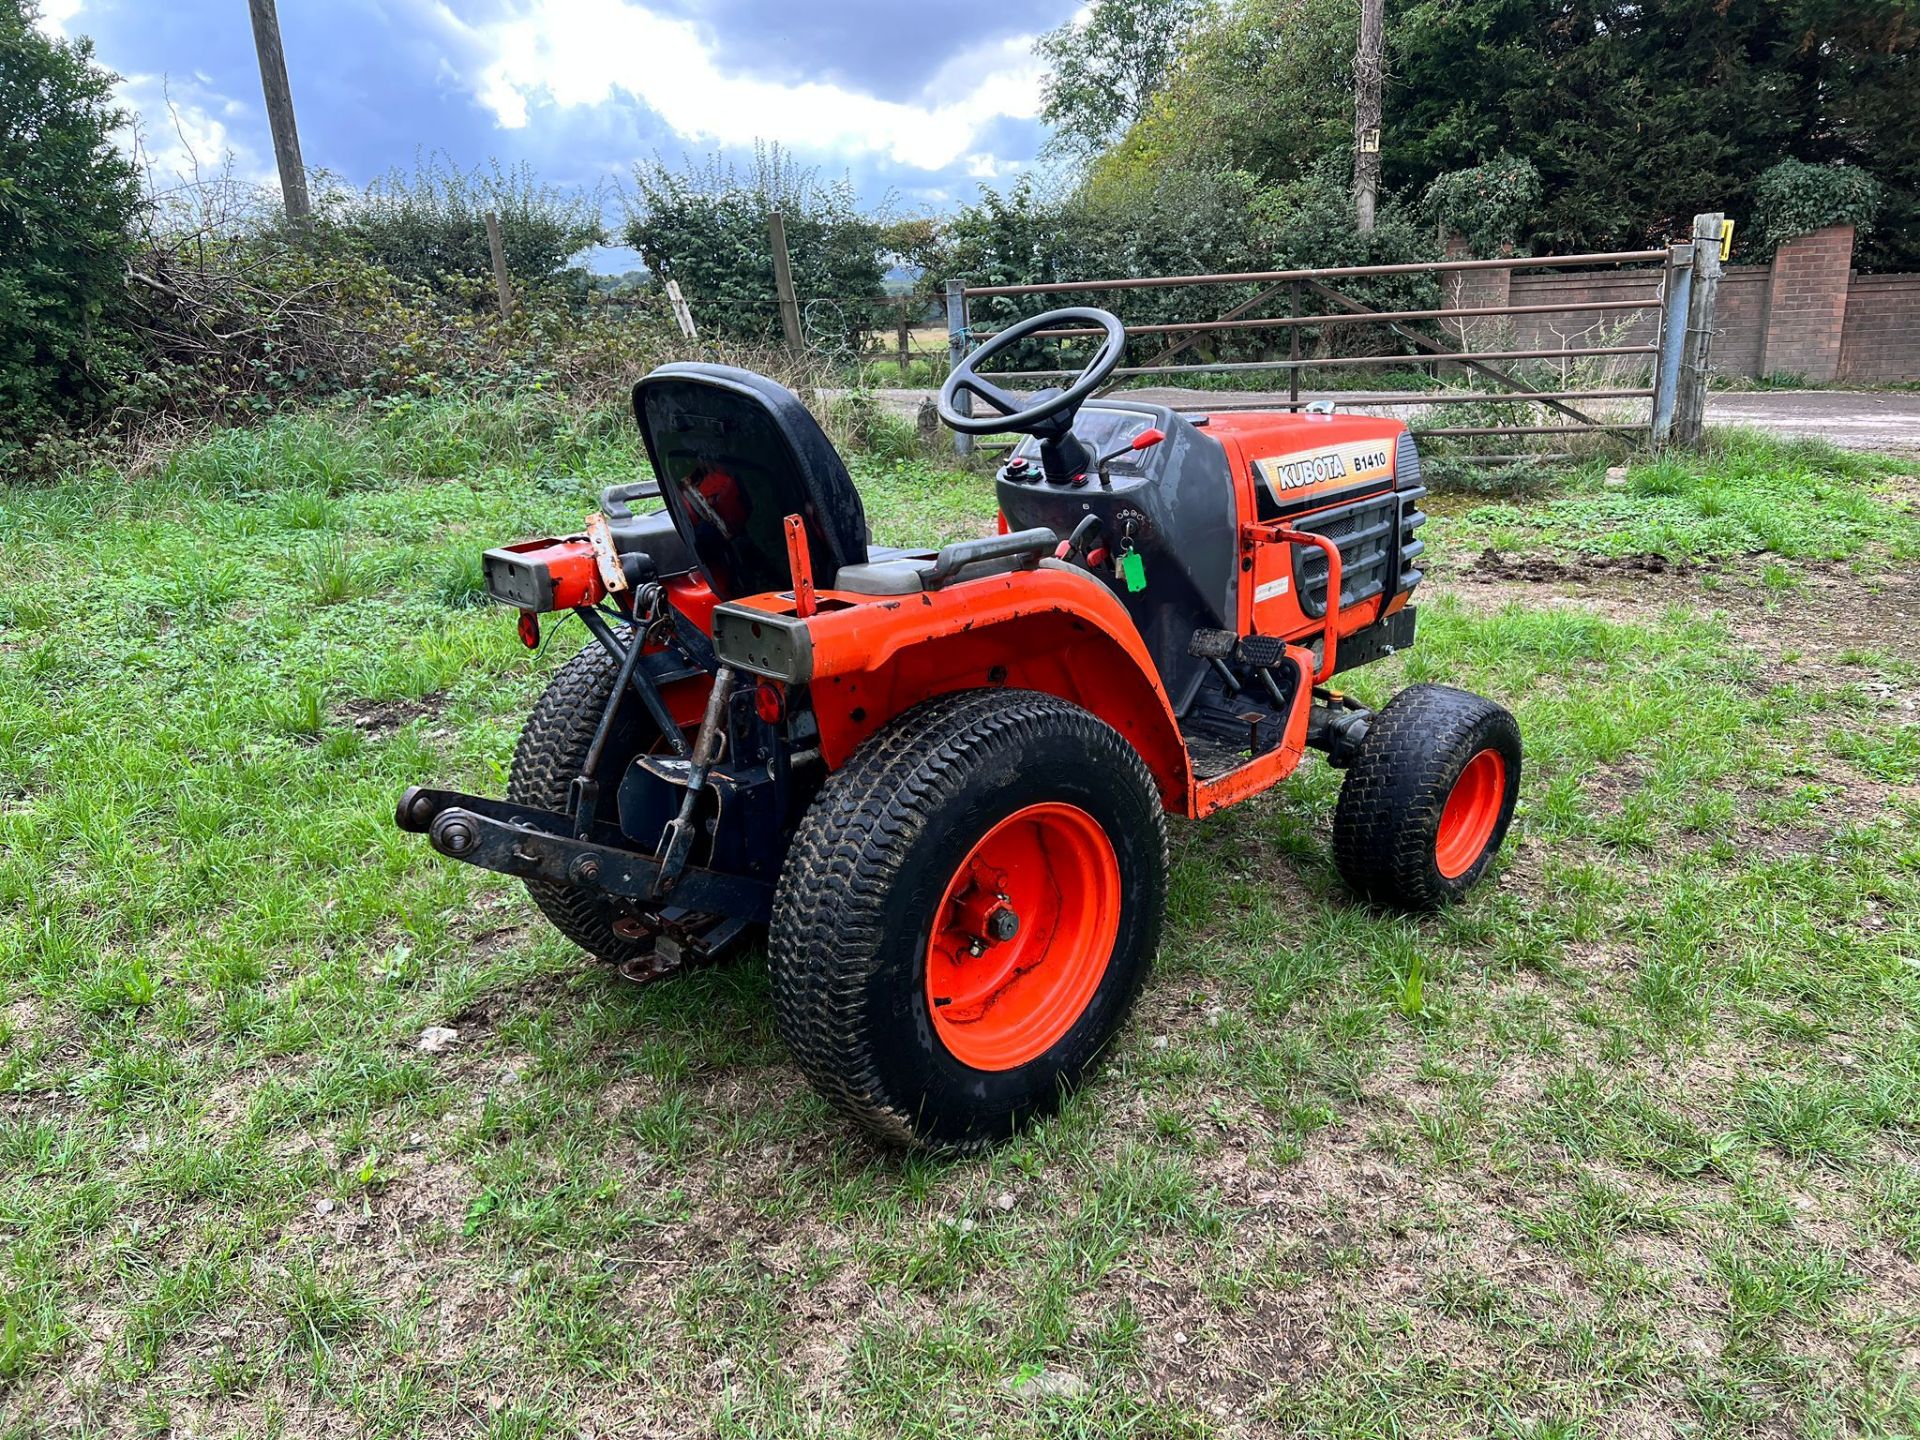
(1022, 937)
(1472, 810)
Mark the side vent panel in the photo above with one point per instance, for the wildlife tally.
(1410, 490)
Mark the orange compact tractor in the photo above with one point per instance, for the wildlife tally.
(940, 778)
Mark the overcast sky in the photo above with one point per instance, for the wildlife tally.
(920, 99)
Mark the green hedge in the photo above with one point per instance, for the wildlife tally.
(68, 200)
(1489, 206)
(1795, 198)
(707, 230)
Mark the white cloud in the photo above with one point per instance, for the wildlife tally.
(568, 53)
(183, 133)
(178, 131)
(57, 15)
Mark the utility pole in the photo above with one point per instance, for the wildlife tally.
(1366, 113)
(273, 82)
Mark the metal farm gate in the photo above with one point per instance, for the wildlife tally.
(1679, 285)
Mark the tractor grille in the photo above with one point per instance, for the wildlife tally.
(1364, 531)
(1377, 544)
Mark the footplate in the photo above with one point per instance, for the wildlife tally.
(1259, 651)
(533, 844)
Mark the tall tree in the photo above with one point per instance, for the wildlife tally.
(1105, 73)
(1639, 115)
(1261, 86)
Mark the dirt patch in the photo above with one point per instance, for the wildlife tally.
(1549, 570)
(376, 719)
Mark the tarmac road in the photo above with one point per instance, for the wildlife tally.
(1856, 419)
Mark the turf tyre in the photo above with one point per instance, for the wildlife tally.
(867, 873)
(553, 746)
(1387, 826)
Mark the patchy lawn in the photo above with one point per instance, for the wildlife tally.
(1627, 1146)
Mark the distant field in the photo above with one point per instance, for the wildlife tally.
(1627, 1146)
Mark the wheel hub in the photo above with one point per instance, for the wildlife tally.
(1022, 936)
(1471, 813)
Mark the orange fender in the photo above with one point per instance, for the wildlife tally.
(1055, 630)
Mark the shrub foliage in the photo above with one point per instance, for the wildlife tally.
(431, 226)
(1794, 198)
(67, 205)
(706, 228)
(1489, 206)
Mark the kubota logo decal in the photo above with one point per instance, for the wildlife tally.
(1356, 460)
(1314, 470)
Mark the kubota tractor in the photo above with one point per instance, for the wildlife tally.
(939, 779)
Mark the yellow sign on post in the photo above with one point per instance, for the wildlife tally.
(1726, 239)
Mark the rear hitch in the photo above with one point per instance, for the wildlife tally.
(532, 844)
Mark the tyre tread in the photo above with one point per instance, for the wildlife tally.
(826, 941)
(553, 746)
(1391, 801)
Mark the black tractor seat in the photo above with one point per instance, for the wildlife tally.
(909, 572)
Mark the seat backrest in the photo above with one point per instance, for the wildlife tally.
(736, 454)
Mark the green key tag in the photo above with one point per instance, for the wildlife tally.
(1134, 571)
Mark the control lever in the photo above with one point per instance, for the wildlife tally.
(1084, 542)
(1145, 440)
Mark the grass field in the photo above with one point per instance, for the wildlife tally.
(1627, 1146)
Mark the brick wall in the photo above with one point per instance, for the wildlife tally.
(1474, 290)
(1882, 336)
(1807, 313)
(1740, 321)
(1581, 328)
(1807, 304)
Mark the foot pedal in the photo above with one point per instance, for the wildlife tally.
(1260, 651)
(1211, 644)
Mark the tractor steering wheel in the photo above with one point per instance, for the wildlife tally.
(1053, 411)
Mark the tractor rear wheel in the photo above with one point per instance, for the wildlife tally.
(553, 747)
(968, 911)
(1428, 799)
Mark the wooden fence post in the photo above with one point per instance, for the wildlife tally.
(958, 344)
(681, 312)
(501, 280)
(1696, 352)
(783, 280)
(905, 337)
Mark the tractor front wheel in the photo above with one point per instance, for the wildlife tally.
(1428, 799)
(968, 910)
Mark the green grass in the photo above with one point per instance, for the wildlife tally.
(1748, 494)
(1626, 1143)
